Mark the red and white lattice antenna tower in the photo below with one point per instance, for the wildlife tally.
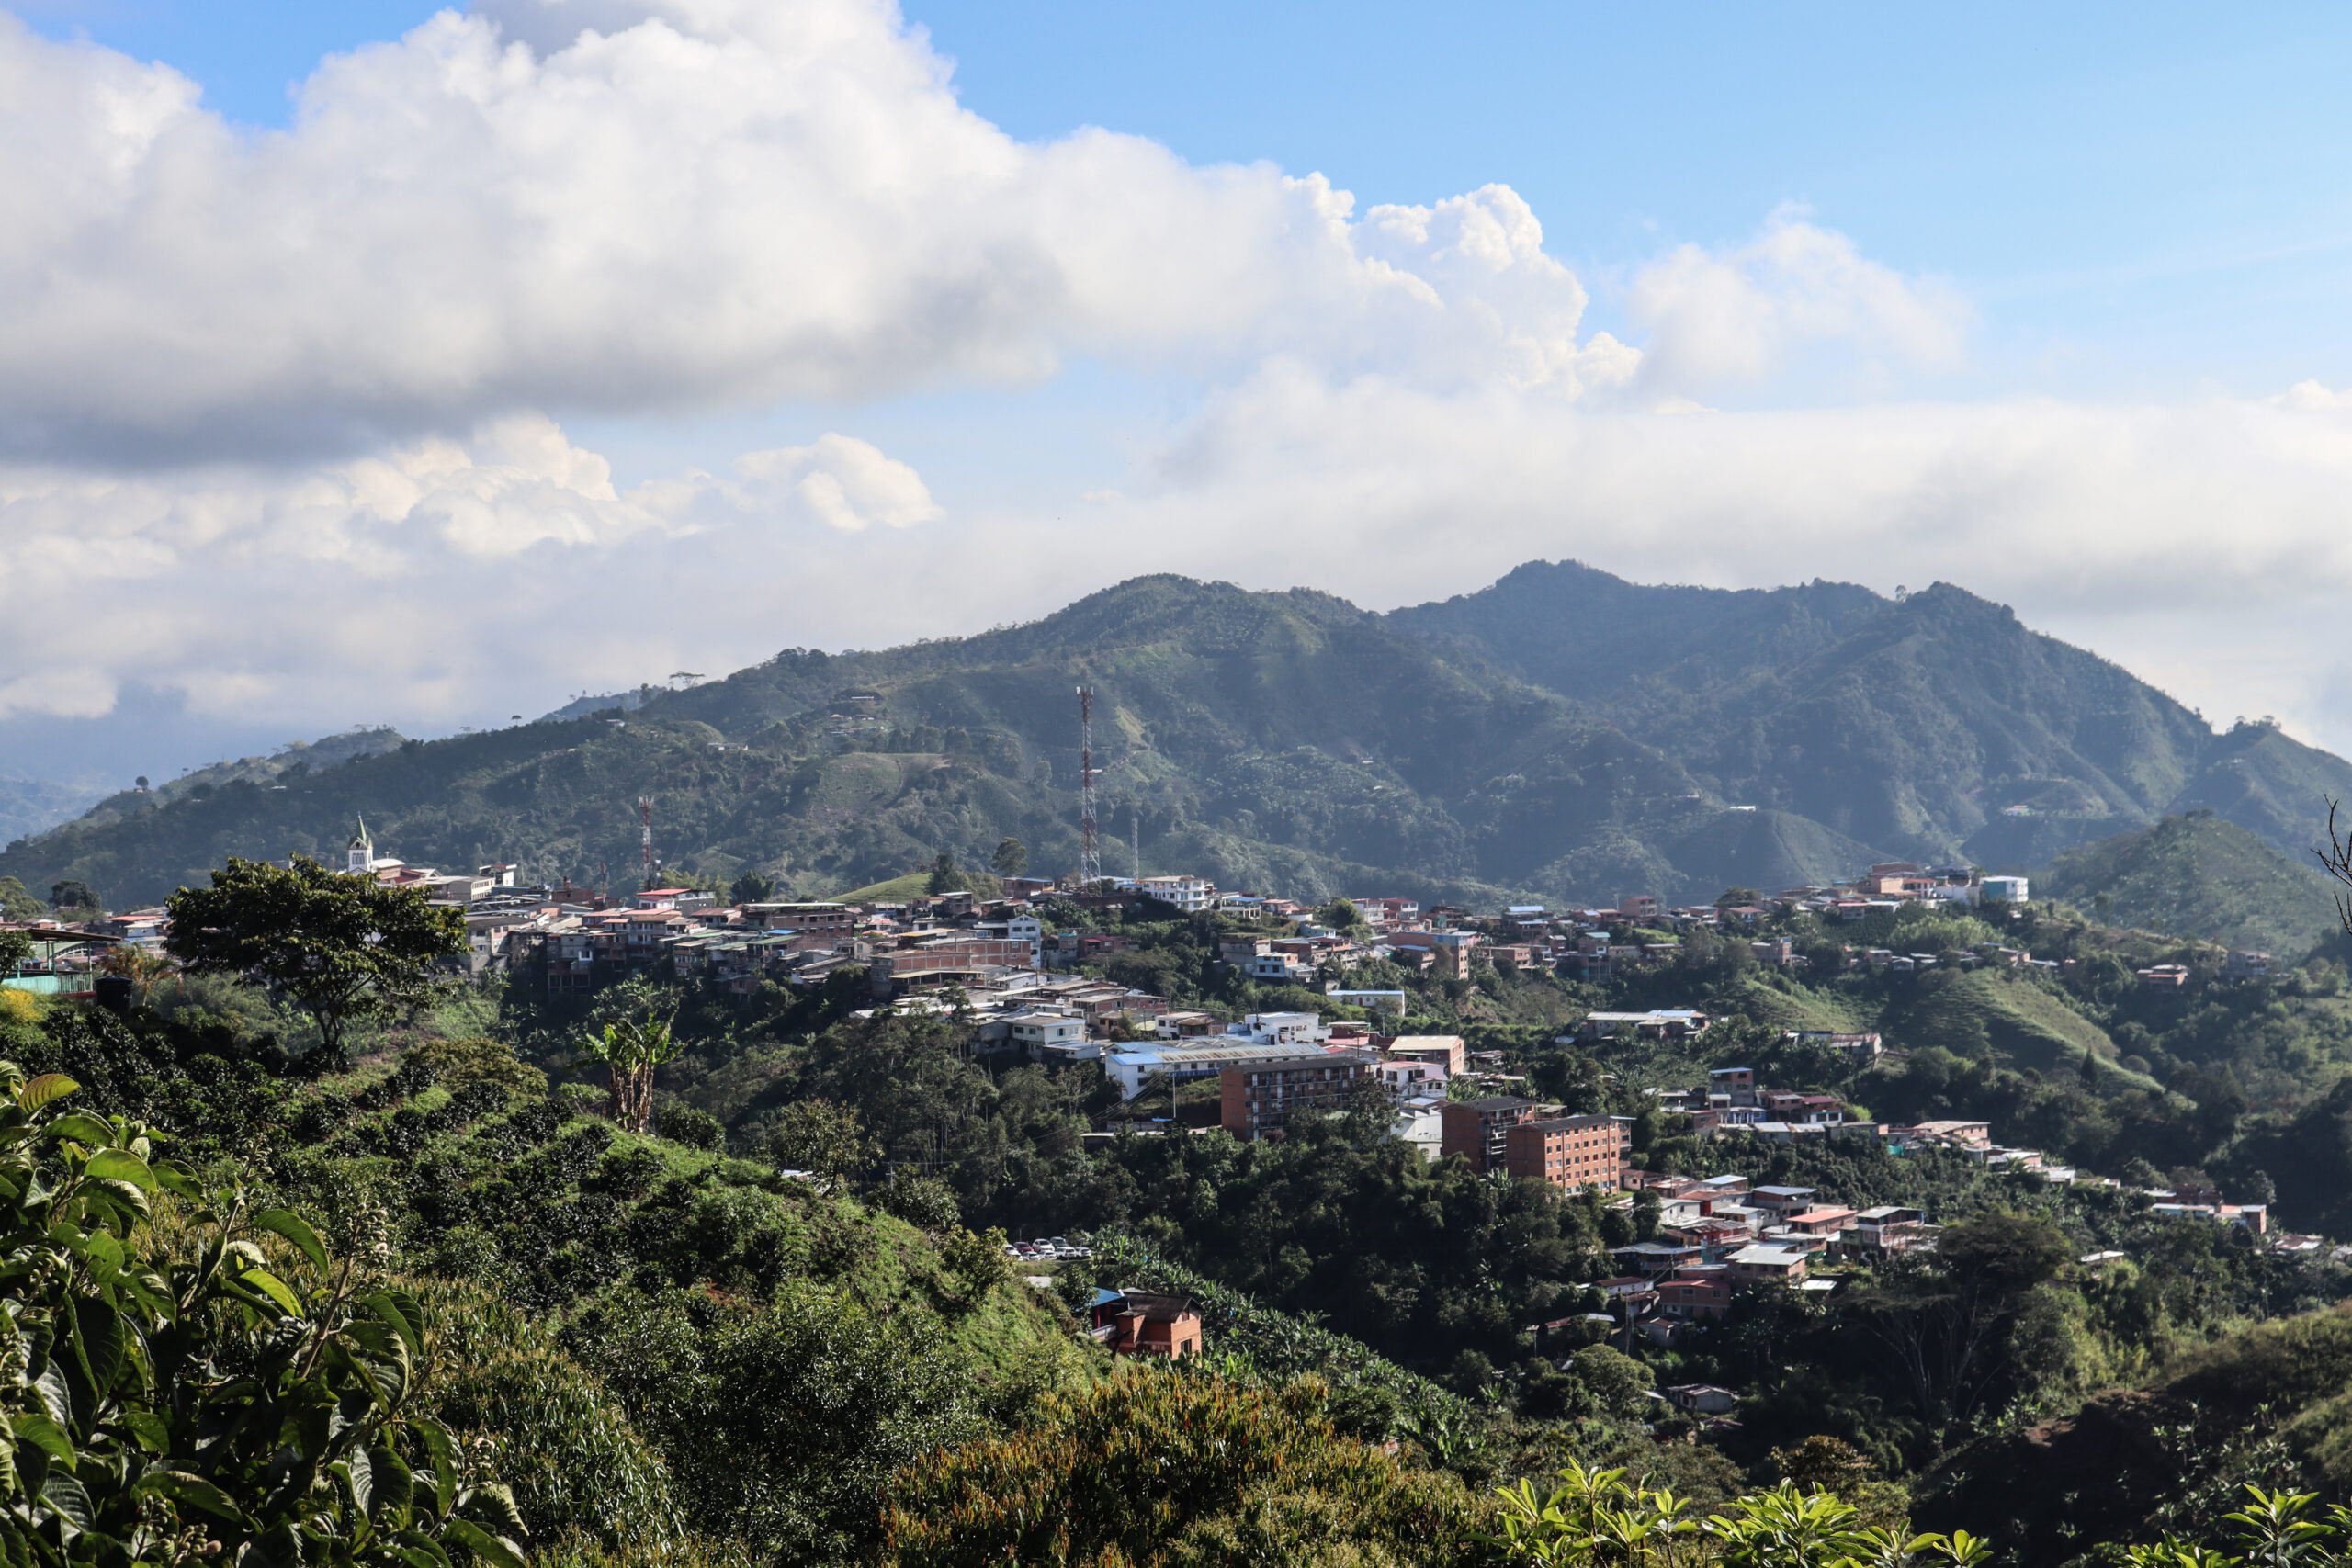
(1089, 851)
(645, 835)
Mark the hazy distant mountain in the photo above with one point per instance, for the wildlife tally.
(1562, 735)
(30, 806)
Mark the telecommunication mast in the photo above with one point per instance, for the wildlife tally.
(1089, 851)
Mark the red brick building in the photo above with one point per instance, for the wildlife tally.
(1259, 1098)
(1153, 1326)
(1474, 1129)
(1569, 1151)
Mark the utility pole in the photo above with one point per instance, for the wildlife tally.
(1134, 840)
(645, 836)
(1090, 853)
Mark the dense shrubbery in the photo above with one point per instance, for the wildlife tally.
(222, 1386)
(1177, 1466)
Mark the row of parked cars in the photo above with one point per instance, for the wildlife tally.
(1048, 1250)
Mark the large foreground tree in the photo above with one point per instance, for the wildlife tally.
(344, 949)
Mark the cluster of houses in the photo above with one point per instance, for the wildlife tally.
(564, 937)
(1718, 1237)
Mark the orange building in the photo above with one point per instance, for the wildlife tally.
(1569, 1151)
(1155, 1325)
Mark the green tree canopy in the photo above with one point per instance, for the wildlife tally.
(823, 1139)
(631, 1049)
(752, 887)
(207, 1400)
(16, 902)
(344, 949)
(1237, 1474)
(1011, 858)
(72, 894)
(1339, 914)
(1618, 1383)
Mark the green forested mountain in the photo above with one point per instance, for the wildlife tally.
(1931, 725)
(2197, 875)
(1562, 734)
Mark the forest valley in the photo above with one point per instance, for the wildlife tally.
(487, 1276)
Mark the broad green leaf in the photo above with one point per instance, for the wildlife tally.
(76, 1128)
(120, 1164)
(44, 1089)
(47, 1436)
(105, 1254)
(295, 1229)
(69, 1502)
(54, 1396)
(191, 1492)
(273, 1287)
(100, 1338)
(148, 1429)
(359, 1473)
(399, 1310)
(178, 1180)
(395, 1486)
(422, 1550)
(437, 1442)
(493, 1505)
(482, 1544)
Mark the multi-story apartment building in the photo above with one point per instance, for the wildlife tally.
(1569, 1151)
(1475, 1128)
(1259, 1097)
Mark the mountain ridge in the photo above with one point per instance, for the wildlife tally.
(1561, 734)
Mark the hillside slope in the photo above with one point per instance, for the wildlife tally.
(2197, 876)
(2266, 1404)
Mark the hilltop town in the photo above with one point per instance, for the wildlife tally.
(1019, 971)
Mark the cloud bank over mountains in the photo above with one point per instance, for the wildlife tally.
(282, 414)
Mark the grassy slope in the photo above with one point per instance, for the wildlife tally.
(896, 890)
(2197, 876)
(1807, 1009)
(2036, 1028)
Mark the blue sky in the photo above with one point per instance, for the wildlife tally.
(716, 320)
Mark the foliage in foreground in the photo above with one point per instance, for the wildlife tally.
(1160, 1464)
(1598, 1515)
(168, 1403)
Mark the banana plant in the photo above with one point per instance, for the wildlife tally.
(631, 1049)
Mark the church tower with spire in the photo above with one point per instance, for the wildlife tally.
(361, 859)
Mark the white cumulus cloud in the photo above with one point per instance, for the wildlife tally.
(667, 205)
(1732, 317)
(416, 580)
